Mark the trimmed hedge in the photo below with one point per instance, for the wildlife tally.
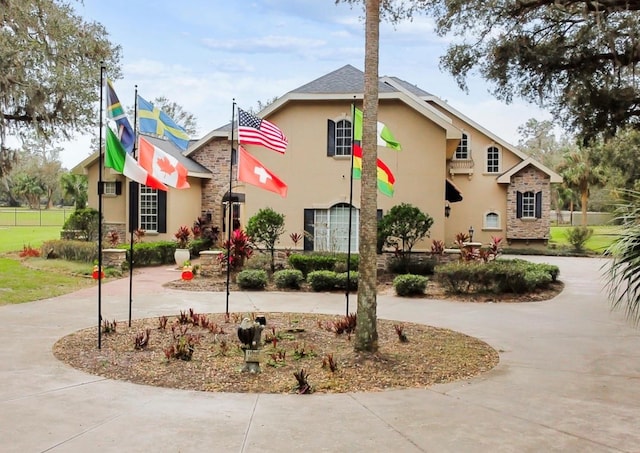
(83, 251)
(414, 266)
(152, 253)
(288, 278)
(310, 262)
(499, 276)
(410, 284)
(322, 280)
(341, 280)
(252, 279)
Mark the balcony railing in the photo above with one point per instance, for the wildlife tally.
(461, 167)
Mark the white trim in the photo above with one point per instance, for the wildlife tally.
(485, 226)
(505, 178)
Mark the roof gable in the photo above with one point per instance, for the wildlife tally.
(505, 178)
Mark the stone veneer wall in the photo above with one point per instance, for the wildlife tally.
(529, 179)
(216, 157)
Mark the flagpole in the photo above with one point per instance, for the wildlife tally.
(100, 191)
(230, 206)
(353, 127)
(132, 184)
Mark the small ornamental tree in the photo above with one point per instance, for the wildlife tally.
(265, 228)
(403, 226)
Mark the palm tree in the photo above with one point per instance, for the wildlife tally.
(623, 282)
(75, 186)
(366, 337)
(580, 173)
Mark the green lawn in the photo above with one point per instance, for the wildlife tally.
(19, 283)
(34, 217)
(14, 239)
(603, 236)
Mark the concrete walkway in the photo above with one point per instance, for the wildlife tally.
(568, 380)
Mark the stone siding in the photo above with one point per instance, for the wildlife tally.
(216, 156)
(529, 179)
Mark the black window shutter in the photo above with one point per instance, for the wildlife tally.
(133, 206)
(100, 187)
(162, 211)
(308, 229)
(519, 205)
(331, 138)
(379, 215)
(538, 205)
(118, 187)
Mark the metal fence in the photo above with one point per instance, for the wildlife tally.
(34, 217)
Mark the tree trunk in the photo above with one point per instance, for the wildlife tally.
(366, 338)
(584, 199)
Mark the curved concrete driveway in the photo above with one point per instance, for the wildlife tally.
(568, 380)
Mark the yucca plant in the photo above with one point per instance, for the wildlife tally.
(623, 279)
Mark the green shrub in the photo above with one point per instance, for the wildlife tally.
(152, 253)
(258, 261)
(85, 252)
(410, 284)
(288, 278)
(418, 266)
(499, 276)
(310, 262)
(578, 236)
(322, 280)
(252, 279)
(85, 221)
(341, 263)
(341, 280)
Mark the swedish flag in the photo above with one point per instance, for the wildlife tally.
(155, 121)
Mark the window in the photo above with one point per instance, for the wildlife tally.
(462, 151)
(148, 209)
(492, 221)
(529, 205)
(112, 188)
(328, 229)
(493, 159)
(339, 138)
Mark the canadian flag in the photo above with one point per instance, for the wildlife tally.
(162, 165)
(251, 171)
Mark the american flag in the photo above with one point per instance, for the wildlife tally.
(256, 131)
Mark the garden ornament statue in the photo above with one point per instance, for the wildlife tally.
(250, 335)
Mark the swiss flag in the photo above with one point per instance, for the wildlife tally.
(251, 171)
(162, 165)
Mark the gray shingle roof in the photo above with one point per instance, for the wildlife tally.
(411, 88)
(347, 79)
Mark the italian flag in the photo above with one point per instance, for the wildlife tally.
(386, 180)
(162, 165)
(122, 162)
(385, 137)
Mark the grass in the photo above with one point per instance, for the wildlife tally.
(19, 283)
(14, 238)
(33, 217)
(603, 236)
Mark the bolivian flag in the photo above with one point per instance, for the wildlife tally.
(386, 180)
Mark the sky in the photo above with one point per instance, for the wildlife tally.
(203, 54)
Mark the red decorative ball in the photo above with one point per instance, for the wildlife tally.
(187, 275)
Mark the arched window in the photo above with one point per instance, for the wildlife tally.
(339, 138)
(493, 159)
(462, 151)
(492, 221)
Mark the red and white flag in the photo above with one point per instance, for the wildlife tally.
(251, 171)
(256, 131)
(162, 165)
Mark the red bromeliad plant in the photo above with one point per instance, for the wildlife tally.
(183, 235)
(238, 248)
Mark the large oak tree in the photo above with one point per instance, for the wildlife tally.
(49, 71)
(577, 58)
